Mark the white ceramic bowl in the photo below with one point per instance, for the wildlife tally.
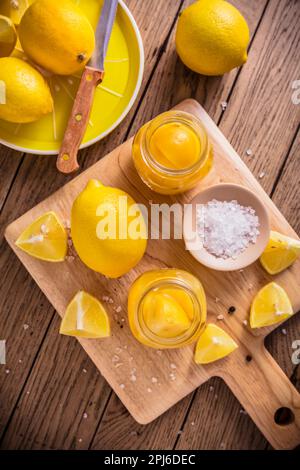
(226, 192)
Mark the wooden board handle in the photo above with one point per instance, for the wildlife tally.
(78, 121)
(266, 393)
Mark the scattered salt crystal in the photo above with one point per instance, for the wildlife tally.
(216, 340)
(57, 88)
(149, 390)
(80, 439)
(85, 415)
(122, 386)
(7, 371)
(217, 300)
(220, 317)
(243, 412)
(28, 392)
(20, 361)
(172, 376)
(122, 320)
(105, 298)
(118, 350)
(25, 326)
(84, 371)
(133, 378)
(245, 322)
(222, 445)
(216, 397)
(115, 358)
(226, 228)
(211, 388)
(283, 331)
(118, 309)
(261, 175)
(44, 228)
(241, 270)
(193, 423)
(70, 258)
(133, 433)
(224, 105)
(70, 81)
(173, 366)
(110, 301)
(180, 431)
(154, 380)
(249, 152)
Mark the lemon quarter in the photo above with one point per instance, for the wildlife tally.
(213, 344)
(85, 317)
(45, 239)
(271, 305)
(280, 253)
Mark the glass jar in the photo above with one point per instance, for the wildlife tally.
(166, 308)
(172, 153)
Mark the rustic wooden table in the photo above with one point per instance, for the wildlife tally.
(51, 395)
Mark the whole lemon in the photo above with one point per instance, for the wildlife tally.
(8, 36)
(57, 36)
(212, 37)
(27, 96)
(107, 229)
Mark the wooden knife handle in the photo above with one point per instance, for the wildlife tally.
(266, 394)
(78, 121)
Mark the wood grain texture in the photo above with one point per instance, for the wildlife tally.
(219, 424)
(112, 170)
(36, 179)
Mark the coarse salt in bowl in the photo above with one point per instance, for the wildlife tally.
(255, 243)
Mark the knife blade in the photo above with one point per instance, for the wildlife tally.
(92, 76)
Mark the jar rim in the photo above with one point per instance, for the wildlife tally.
(175, 116)
(176, 341)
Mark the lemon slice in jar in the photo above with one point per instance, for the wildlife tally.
(85, 317)
(45, 239)
(280, 253)
(271, 305)
(213, 344)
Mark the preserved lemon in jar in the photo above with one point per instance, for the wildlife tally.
(172, 153)
(166, 308)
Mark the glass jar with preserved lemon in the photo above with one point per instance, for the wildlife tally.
(172, 153)
(167, 308)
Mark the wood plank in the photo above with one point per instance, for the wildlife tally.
(246, 380)
(53, 389)
(204, 92)
(9, 163)
(36, 179)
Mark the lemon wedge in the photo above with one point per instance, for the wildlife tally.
(271, 305)
(213, 344)
(85, 317)
(45, 239)
(280, 253)
(8, 36)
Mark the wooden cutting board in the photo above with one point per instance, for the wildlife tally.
(148, 381)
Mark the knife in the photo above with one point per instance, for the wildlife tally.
(92, 76)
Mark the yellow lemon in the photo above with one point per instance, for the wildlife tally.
(271, 305)
(45, 239)
(85, 317)
(280, 253)
(14, 9)
(212, 37)
(213, 344)
(108, 229)
(27, 96)
(8, 36)
(57, 36)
